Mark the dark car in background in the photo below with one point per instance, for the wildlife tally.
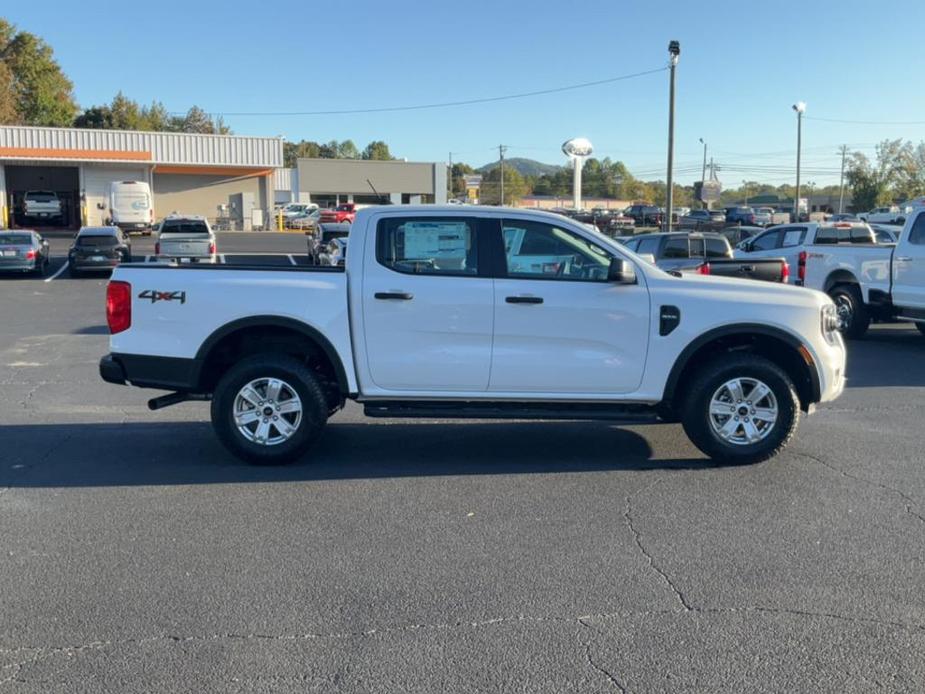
(645, 215)
(703, 220)
(740, 214)
(98, 248)
(738, 234)
(706, 254)
(24, 251)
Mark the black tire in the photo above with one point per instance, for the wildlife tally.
(294, 373)
(73, 272)
(698, 421)
(921, 327)
(854, 318)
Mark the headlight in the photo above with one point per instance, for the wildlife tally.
(830, 324)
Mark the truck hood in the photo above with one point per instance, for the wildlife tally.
(741, 290)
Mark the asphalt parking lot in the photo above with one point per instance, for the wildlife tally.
(137, 555)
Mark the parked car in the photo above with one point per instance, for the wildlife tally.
(706, 254)
(764, 216)
(131, 207)
(791, 241)
(612, 222)
(334, 252)
(319, 239)
(738, 234)
(645, 215)
(740, 214)
(886, 233)
(345, 212)
(98, 248)
(42, 205)
(295, 210)
(185, 238)
(306, 221)
(843, 217)
(476, 312)
(24, 250)
(872, 280)
(881, 215)
(703, 220)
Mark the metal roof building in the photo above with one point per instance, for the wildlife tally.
(187, 173)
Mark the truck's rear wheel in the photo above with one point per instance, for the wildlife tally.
(269, 409)
(741, 409)
(853, 316)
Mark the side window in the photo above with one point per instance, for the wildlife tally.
(649, 245)
(427, 246)
(543, 251)
(766, 242)
(717, 248)
(677, 247)
(792, 237)
(917, 232)
(632, 245)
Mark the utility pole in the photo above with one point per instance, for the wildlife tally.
(841, 181)
(800, 108)
(501, 150)
(703, 172)
(674, 50)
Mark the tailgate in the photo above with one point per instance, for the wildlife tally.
(185, 247)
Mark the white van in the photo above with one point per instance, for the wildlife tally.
(131, 207)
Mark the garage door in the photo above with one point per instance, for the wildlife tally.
(96, 188)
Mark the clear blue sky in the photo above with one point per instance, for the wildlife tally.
(742, 66)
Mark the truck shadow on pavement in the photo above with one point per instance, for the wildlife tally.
(181, 453)
(889, 355)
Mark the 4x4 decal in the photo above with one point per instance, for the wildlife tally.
(156, 296)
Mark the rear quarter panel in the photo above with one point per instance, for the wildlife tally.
(870, 265)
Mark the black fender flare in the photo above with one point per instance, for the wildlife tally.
(277, 322)
(674, 376)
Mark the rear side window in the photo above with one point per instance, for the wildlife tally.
(792, 237)
(766, 242)
(717, 248)
(184, 226)
(428, 246)
(677, 247)
(917, 232)
(648, 246)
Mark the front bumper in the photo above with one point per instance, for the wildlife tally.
(831, 361)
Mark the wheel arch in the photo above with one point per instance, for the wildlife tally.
(837, 277)
(777, 345)
(271, 329)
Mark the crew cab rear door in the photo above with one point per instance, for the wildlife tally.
(909, 267)
(560, 326)
(427, 305)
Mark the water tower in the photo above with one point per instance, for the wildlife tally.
(577, 150)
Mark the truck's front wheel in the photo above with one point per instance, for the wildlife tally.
(741, 409)
(269, 409)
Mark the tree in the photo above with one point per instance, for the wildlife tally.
(458, 183)
(198, 121)
(377, 150)
(514, 186)
(303, 149)
(347, 150)
(872, 182)
(43, 94)
(9, 111)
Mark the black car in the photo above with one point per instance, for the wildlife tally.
(323, 234)
(98, 248)
(645, 215)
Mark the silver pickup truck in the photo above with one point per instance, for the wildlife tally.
(185, 238)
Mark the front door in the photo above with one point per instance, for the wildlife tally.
(427, 306)
(909, 268)
(560, 326)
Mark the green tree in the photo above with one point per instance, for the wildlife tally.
(9, 110)
(377, 150)
(514, 186)
(43, 93)
(347, 150)
(303, 149)
(873, 182)
(456, 177)
(198, 121)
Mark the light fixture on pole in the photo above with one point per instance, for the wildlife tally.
(577, 150)
(674, 50)
(800, 108)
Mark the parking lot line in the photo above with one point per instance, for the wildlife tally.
(60, 270)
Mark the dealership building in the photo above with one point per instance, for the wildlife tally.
(221, 177)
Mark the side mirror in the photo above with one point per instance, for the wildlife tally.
(621, 272)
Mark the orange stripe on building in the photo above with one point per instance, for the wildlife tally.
(231, 171)
(51, 153)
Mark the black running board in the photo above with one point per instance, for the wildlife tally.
(628, 414)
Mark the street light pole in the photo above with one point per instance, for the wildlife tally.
(703, 173)
(800, 108)
(674, 50)
(501, 149)
(841, 181)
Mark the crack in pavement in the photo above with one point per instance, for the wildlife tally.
(909, 501)
(637, 538)
(594, 665)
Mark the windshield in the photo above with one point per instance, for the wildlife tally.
(15, 239)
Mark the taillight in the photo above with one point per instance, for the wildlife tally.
(704, 269)
(30, 254)
(785, 271)
(118, 306)
(157, 248)
(212, 248)
(801, 266)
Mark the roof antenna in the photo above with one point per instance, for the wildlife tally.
(382, 198)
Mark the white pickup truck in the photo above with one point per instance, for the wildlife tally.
(480, 312)
(874, 281)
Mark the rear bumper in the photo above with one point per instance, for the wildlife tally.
(18, 266)
(144, 371)
(82, 264)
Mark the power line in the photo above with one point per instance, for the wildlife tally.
(444, 104)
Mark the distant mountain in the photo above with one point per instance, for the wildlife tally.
(525, 167)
